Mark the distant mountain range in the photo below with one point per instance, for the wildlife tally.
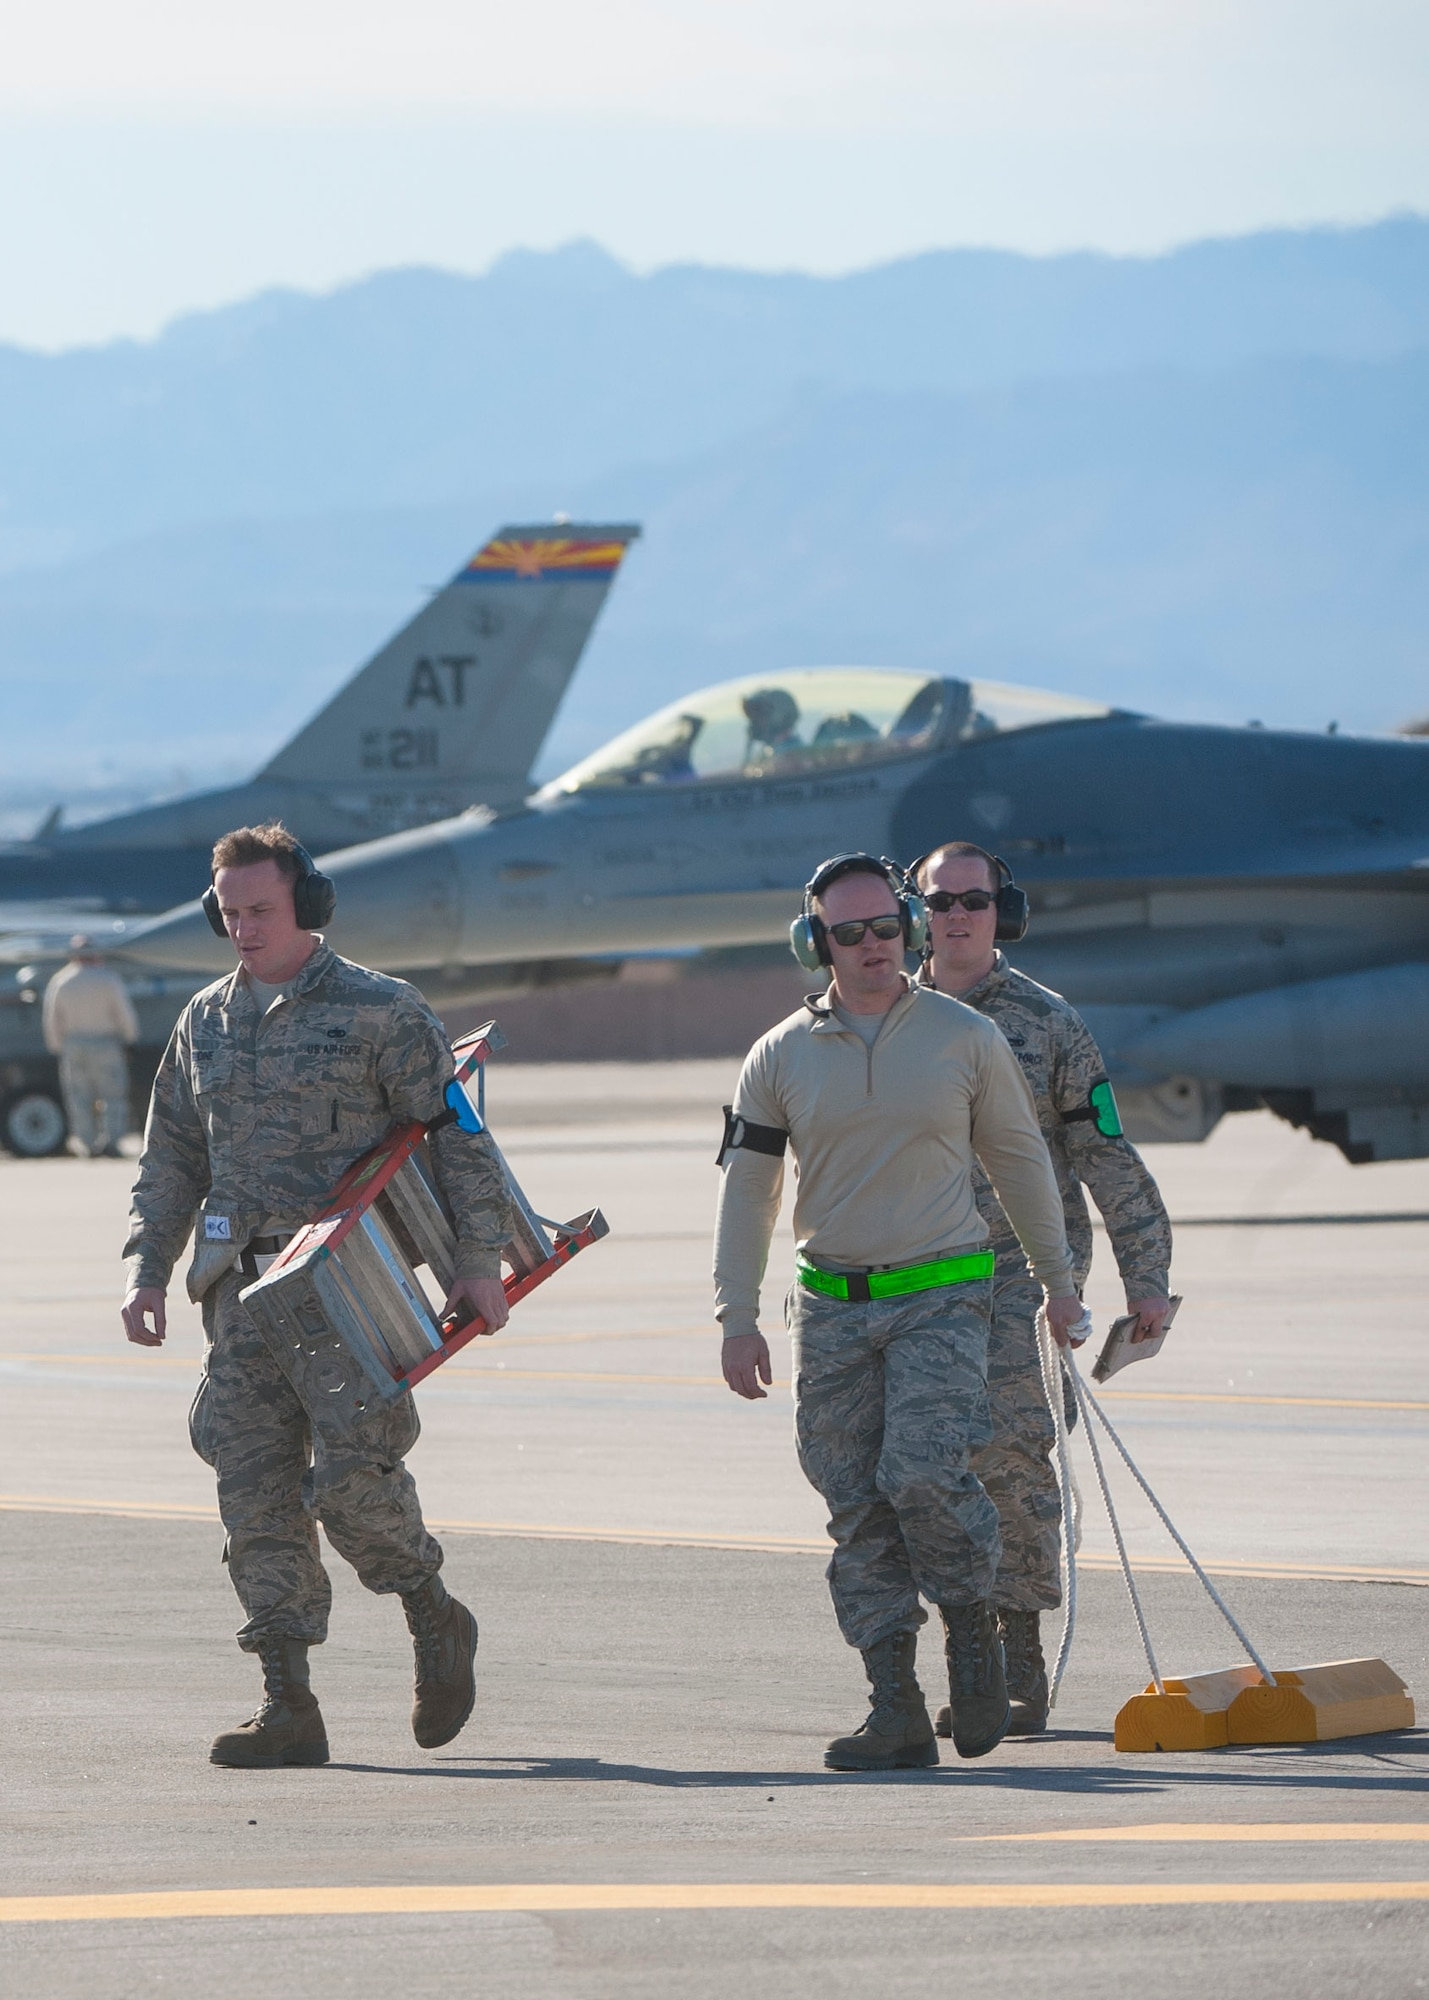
(1197, 484)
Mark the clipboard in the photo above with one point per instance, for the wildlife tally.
(1120, 1350)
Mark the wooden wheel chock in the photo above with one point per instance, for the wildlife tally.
(1306, 1705)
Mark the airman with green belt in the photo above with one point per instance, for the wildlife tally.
(886, 1093)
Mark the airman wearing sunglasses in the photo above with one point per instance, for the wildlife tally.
(887, 1092)
(1078, 1116)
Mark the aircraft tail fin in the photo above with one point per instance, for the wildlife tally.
(453, 710)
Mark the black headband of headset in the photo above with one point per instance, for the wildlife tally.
(1006, 878)
(839, 865)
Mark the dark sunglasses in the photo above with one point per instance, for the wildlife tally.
(943, 900)
(852, 932)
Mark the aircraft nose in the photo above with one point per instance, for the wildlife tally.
(399, 905)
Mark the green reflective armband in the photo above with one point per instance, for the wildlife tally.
(1102, 1099)
(1099, 1110)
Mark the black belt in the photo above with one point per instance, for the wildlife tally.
(260, 1246)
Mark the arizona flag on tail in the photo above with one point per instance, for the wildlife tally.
(526, 555)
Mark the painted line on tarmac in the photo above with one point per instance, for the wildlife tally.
(683, 1538)
(494, 1367)
(1301, 1830)
(602, 1375)
(537, 1897)
(1227, 1396)
(1374, 1217)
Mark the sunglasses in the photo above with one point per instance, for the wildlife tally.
(852, 932)
(943, 900)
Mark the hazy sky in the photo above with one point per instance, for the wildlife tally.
(157, 155)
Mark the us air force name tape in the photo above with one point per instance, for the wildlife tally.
(741, 1132)
(1099, 1110)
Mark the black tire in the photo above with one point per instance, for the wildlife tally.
(33, 1124)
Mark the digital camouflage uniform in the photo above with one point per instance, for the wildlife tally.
(252, 1122)
(1078, 1116)
(889, 1396)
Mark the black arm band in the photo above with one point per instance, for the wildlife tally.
(1082, 1111)
(741, 1133)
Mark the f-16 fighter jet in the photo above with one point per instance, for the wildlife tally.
(1241, 914)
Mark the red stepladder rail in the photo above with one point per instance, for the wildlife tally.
(342, 1306)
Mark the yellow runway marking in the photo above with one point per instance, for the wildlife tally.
(1349, 1830)
(598, 1896)
(492, 1367)
(1226, 1396)
(685, 1538)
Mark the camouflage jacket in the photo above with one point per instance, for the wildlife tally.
(253, 1120)
(1077, 1112)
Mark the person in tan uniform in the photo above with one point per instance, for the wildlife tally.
(887, 1092)
(88, 1021)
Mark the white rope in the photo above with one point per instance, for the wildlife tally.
(1079, 1390)
(1085, 1401)
(1071, 1497)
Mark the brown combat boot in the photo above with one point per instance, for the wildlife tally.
(897, 1734)
(977, 1681)
(288, 1728)
(1026, 1670)
(444, 1637)
(1026, 1675)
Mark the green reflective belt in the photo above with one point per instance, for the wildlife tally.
(861, 1286)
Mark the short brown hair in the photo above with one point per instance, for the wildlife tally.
(247, 844)
(965, 849)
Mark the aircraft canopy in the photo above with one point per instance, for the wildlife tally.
(813, 720)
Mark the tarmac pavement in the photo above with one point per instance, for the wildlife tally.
(639, 1804)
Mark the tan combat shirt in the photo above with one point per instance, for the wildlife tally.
(884, 1141)
(255, 1117)
(87, 1003)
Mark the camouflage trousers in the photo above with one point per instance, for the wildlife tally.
(890, 1401)
(1018, 1468)
(275, 1483)
(94, 1081)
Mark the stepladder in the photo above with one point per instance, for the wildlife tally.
(344, 1306)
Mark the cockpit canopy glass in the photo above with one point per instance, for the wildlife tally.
(812, 721)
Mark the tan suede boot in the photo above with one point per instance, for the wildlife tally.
(444, 1638)
(288, 1728)
(897, 1734)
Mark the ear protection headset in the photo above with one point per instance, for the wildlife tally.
(1012, 907)
(808, 934)
(314, 897)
